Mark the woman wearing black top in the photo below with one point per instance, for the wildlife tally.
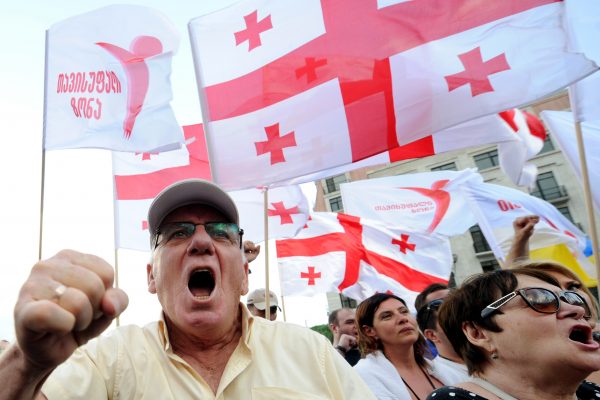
(521, 337)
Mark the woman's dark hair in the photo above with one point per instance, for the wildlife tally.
(464, 306)
(365, 313)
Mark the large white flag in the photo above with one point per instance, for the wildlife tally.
(358, 257)
(562, 126)
(424, 202)
(108, 81)
(496, 207)
(292, 88)
(583, 27)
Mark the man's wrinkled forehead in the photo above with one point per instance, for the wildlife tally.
(193, 212)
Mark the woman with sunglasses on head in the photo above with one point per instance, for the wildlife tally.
(522, 337)
(393, 363)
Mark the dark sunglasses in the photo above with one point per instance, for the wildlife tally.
(180, 231)
(541, 300)
(434, 304)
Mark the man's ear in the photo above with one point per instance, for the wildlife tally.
(245, 279)
(478, 336)
(151, 281)
(333, 328)
(432, 335)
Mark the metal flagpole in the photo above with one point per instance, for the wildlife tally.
(43, 177)
(585, 180)
(116, 230)
(266, 222)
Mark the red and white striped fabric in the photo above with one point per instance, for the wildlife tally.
(358, 257)
(292, 88)
(108, 81)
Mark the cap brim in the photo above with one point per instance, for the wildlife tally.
(186, 192)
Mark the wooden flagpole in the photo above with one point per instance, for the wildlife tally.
(266, 223)
(585, 180)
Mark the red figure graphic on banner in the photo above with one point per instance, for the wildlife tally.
(440, 197)
(138, 76)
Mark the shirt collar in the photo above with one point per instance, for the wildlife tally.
(247, 322)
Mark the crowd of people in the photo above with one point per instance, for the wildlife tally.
(524, 332)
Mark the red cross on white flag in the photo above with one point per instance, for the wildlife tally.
(366, 76)
(288, 211)
(357, 257)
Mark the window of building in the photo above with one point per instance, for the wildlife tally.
(479, 243)
(333, 184)
(564, 210)
(490, 265)
(547, 188)
(445, 167)
(347, 302)
(486, 160)
(548, 146)
(335, 204)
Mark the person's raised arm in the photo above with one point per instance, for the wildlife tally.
(523, 227)
(67, 300)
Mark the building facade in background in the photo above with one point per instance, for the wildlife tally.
(556, 183)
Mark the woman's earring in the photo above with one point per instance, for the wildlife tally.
(494, 355)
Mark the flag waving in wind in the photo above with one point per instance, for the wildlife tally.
(425, 202)
(555, 237)
(291, 88)
(357, 257)
(107, 81)
(562, 126)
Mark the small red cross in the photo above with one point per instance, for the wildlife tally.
(144, 225)
(477, 71)
(284, 213)
(311, 275)
(146, 156)
(310, 68)
(253, 30)
(403, 243)
(275, 143)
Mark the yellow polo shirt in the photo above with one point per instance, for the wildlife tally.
(273, 360)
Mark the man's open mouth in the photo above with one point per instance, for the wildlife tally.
(201, 283)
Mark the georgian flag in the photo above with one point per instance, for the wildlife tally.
(358, 257)
(140, 177)
(358, 78)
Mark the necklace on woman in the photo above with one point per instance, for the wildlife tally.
(411, 389)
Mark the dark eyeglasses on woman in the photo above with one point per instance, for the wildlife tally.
(541, 300)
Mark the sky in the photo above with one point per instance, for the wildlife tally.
(78, 189)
